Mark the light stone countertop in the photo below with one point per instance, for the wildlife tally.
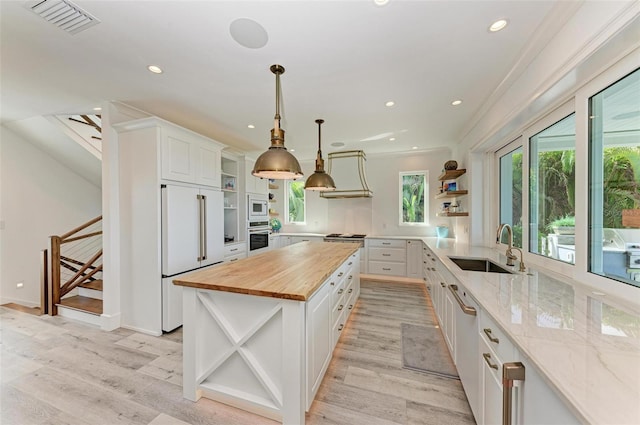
(585, 344)
(321, 235)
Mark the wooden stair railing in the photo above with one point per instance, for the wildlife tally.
(86, 270)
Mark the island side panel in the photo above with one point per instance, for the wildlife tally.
(246, 351)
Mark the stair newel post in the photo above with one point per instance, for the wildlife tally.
(54, 299)
(45, 282)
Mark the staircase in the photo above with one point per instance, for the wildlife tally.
(74, 286)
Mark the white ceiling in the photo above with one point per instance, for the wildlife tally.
(343, 60)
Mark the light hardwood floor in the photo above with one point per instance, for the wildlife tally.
(58, 371)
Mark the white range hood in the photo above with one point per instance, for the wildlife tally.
(347, 168)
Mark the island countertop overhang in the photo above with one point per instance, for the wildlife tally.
(294, 272)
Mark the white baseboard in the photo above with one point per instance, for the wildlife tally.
(110, 322)
(26, 303)
(142, 331)
(81, 316)
(385, 278)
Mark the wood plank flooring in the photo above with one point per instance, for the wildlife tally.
(58, 371)
(86, 304)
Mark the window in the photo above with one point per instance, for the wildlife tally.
(552, 185)
(614, 180)
(414, 205)
(511, 193)
(295, 201)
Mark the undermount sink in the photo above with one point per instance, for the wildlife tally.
(479, 265)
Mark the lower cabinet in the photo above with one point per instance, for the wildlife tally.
(327, 313)
(414, 259)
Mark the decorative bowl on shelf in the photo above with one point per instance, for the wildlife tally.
(451, 165)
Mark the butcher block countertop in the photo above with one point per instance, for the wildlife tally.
(294, 272)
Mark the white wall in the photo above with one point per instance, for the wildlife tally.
(39, 197)
(377, 215)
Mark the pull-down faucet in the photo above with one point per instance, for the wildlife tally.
(510, 248)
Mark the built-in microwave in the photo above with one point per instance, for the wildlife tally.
(258, 208)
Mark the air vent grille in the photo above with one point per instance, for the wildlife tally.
(65, 15)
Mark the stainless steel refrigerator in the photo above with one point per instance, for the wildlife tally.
(192, 238)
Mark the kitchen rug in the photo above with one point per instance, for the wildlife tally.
(424, 350)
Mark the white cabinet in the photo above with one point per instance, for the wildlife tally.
(296, 239)
(449, 321)
(188, 157)
(387, 256)
(490, 409)
(274, 241)
(319, 338)
(254, 184)
(234, 252)
(414, 259)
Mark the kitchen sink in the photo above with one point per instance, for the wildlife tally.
(479, 265)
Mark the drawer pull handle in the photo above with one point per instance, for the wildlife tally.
(443, 284)
(465, 308)
(340, 291)
(332, 283)
(350, 276)
(433, 258)
(341, 327)
(424, 262)
(234, 249)
(340, 274)
(233, 259)
(350, 263)
(340, 307)
(386, 269)
(350, 306)
(386, 255)
(487, 332)
(487, 356)
(350, 290)
(510, 372)
(386, 243)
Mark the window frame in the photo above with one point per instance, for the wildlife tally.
(425, 191)
(287, 189)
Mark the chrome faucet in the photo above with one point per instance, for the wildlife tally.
(510, 248)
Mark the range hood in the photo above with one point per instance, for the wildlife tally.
(347, 168)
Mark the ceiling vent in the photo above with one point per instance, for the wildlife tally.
(64, 15)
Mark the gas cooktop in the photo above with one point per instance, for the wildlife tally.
(345, 236)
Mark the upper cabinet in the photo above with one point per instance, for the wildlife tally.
(254, 184)
(450, 191)
(188, 157)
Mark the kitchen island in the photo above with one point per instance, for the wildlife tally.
(259, 333)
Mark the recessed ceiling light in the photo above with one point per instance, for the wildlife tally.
(380, 2)
(337, 144)
(414, 147)
(390, 103)
(498, 25)
(391, 139)
(97, 108)
(456, 102)
(292, 150)
(154, 69)
(251, 126)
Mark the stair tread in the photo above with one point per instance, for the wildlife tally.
(86, 304)
(96, 285)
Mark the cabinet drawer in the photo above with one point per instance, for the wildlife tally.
(338, 308)
(496, 339)
(388, 254)
(234, 249)
(337, 290)
(392, 269)
(234, 258)
(388, 243)
(489, 358)
(338, 327)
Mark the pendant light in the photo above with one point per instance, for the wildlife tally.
(277, 162)
(319, 180)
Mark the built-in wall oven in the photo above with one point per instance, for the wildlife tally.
(258, 237)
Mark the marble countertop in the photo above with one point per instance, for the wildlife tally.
(294, 272)
(320, 235)
(585, 344)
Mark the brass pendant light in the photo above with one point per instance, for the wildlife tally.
(277, 162)
(320, 180)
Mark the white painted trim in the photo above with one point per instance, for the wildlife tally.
(7, 300)
(110, 322)
(386, 278)
(141, 330)
(70, 313)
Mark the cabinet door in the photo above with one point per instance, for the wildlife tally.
(319, 339)
(179, 154)
(214, 231)
(254, 184)
(492, 396)
(208, 164)
(466, 345)
(450, 321)
(414, 259)
(180, 229)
